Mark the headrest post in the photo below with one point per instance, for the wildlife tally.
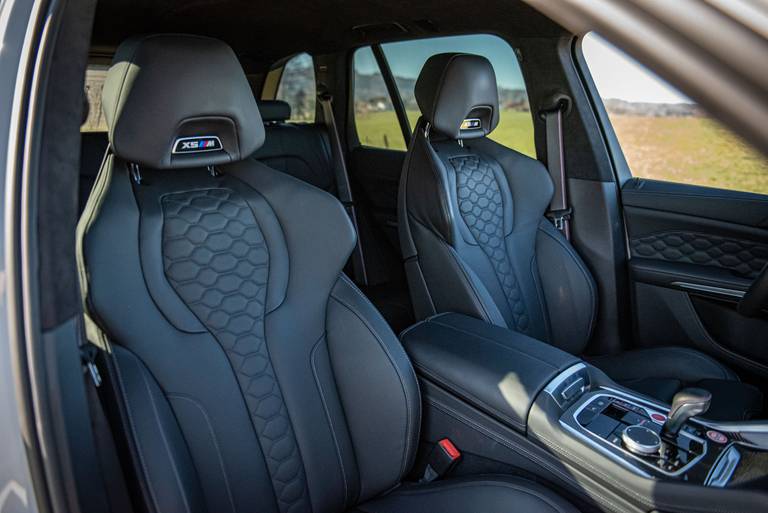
(135, 172)
(213, 171)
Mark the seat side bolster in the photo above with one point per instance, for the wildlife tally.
(169, 478)
(363, 349)
(569, 290)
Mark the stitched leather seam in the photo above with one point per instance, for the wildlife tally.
(336, 445)
(492, 341)
(171, 459)
(469, 396)
(408, 420)
(132, 424)
(414, 403)
(588, 277)
(215, 442)
(492, 484)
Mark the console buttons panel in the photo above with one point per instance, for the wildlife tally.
(632, 430)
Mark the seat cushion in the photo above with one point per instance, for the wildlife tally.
(486, 495)
(662, 372)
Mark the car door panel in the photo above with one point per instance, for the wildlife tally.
(694, 252)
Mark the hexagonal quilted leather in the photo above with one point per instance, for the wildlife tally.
(481, 207)
(216, 259)
(745, 258)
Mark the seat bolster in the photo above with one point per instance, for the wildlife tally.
(490, 495)
(384, 415)
(570, 293)
(169, 481)
(451, 284)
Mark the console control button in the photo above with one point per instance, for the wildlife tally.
(658, 418)
(717, 437)
(641, 440)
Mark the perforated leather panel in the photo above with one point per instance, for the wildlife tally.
(216, 259)
(481, 207)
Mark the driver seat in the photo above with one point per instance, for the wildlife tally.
(475, 240)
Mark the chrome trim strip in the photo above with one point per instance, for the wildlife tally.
(587, 436)
(708, 288)
(560, 378)
(724, 467)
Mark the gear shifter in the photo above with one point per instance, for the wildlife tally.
(687, 403)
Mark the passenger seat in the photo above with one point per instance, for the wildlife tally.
(476, 241)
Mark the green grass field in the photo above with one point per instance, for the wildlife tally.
(687, 150)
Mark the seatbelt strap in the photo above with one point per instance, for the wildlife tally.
(343, 187)
(559, 210)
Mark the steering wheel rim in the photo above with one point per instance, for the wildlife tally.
(756, 297)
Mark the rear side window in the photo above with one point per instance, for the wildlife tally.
(94, 83)
(375, 118)
(297, 88)
(406, 58)
(664, 135)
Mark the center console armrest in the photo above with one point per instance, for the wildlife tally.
(497, 370)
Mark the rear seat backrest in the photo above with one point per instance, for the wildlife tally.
(301, 150)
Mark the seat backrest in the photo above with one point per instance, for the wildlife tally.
(472, 225)
(248, 373)
(299, 149)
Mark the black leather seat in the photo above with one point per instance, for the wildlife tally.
(249, 373)
(475, 240)
(299, 149)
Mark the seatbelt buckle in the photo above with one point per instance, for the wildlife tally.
(442, 459)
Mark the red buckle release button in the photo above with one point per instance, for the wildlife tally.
(449, 449)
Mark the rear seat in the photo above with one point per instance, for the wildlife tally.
(301, 150)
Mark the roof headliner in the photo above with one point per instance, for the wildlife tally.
(262, 35)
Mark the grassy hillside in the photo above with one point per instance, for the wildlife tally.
(380, 129)
(693, 150)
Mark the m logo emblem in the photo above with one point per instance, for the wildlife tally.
(196, 144)
(470, 124)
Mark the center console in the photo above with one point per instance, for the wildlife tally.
(509, 398)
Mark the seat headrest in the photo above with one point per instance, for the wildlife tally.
(174, 100)
(457, 95)
(274, 111)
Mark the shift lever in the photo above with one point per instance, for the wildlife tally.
(687, 403)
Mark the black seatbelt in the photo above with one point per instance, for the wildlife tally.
(559, 211)
(343, 186)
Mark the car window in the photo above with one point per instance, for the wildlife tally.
(375, 118)
(297, 88)
(94, 83)
(515, 128)
(665, 135)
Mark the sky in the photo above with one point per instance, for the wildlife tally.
(615, 74)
